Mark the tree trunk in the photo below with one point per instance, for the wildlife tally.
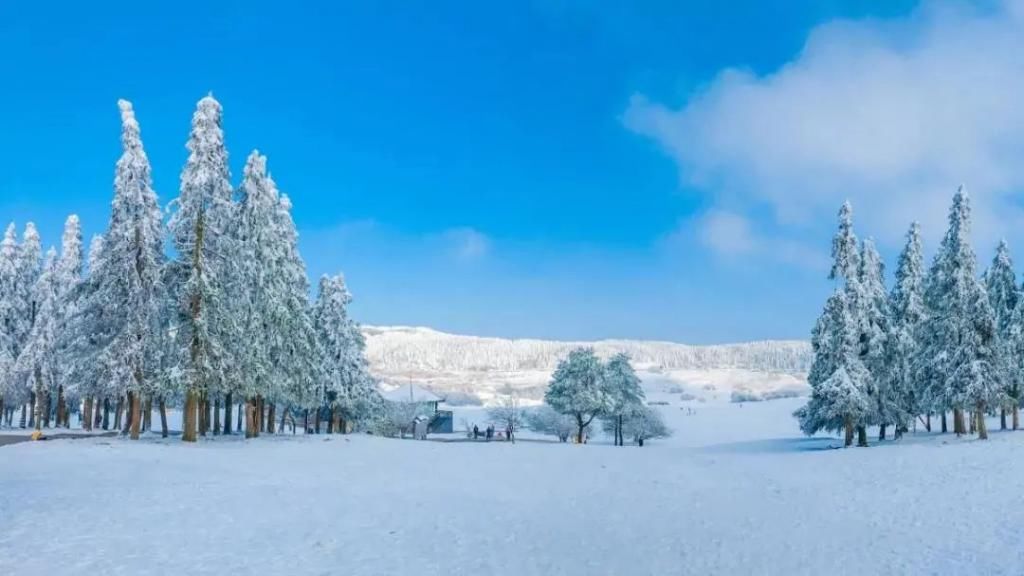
(147, 414)
(979, 416)
(881, 432)
(227, 414)
(87, 420)
(38, 424)
(270, 418)
(201, 414)
(128, 406)
(216, 416)
(316, 421)
(928, 422)
(1016, 416)
(250, 418)
(305, 421)
(97, 419)
(162, 406)
(283, 414)
(136, 415)
(106, 413)
(188, 425)
(24, 409)
(117, 412)
(1002, 418)
(862, 436)
(207, 415)
(579, 430)
(848, 427)
(238, 427)
(47, 408)
(944, 427)
(61, 407)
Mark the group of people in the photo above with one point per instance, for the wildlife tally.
(489, 433)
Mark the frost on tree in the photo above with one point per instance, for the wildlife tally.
(1003, 297)
(950, 300)
(838, 378)
(625, 396)
(873, 307)
(121, 305)
(201, 218)
(641, 423)
(347, 387)
(577, 388)
(37, 361)
(906, 306)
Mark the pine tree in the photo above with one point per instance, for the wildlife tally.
(28, 265)
(296, 359)
(577, 389)
(37, 359)
(978, 375)
(874, 334)
(68, 278)
(347, 385)
(906, 306)
(845, 252)
(200, 224)
(838, 378)
(8, 316)
(949, 295)
(121, 305)
(1001, 285)
(624, 392)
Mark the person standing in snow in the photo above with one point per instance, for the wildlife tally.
(476, 431)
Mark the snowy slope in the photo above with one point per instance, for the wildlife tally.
(482, 366)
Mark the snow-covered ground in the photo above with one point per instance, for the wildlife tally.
(735, 491)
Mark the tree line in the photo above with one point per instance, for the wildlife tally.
(202, 312)
(941, 342)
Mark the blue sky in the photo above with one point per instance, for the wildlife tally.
(558, 169)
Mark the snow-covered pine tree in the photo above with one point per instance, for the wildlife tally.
(577, 388)
(120, 308)
(259, 305)
(874, 335)
(838, 376)
(949, 292)
(296, 359)
(845, 251)
(347, 385)
(978, 374)
(199, 226)
(29, 261)
(8, 318)
(906, 306)
(37, 360)
(1003, 294)
(624, 393)
(67, 280)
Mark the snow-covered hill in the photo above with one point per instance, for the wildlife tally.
(450, 363)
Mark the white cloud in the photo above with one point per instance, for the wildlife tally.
(890, 114)
(727, 233)
(733, 236)
(468, 244)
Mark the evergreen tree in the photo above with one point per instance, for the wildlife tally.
(1001, 285)
(37, 359)
(906, 306)
(200, 276)
(624, 393)
(121, 306)
(578, 389)
(978, 375)
(8, 315)
(874, 334)
(347, 386)
(845, 253)
(68, 277)
(838, 377)
(949, 294)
